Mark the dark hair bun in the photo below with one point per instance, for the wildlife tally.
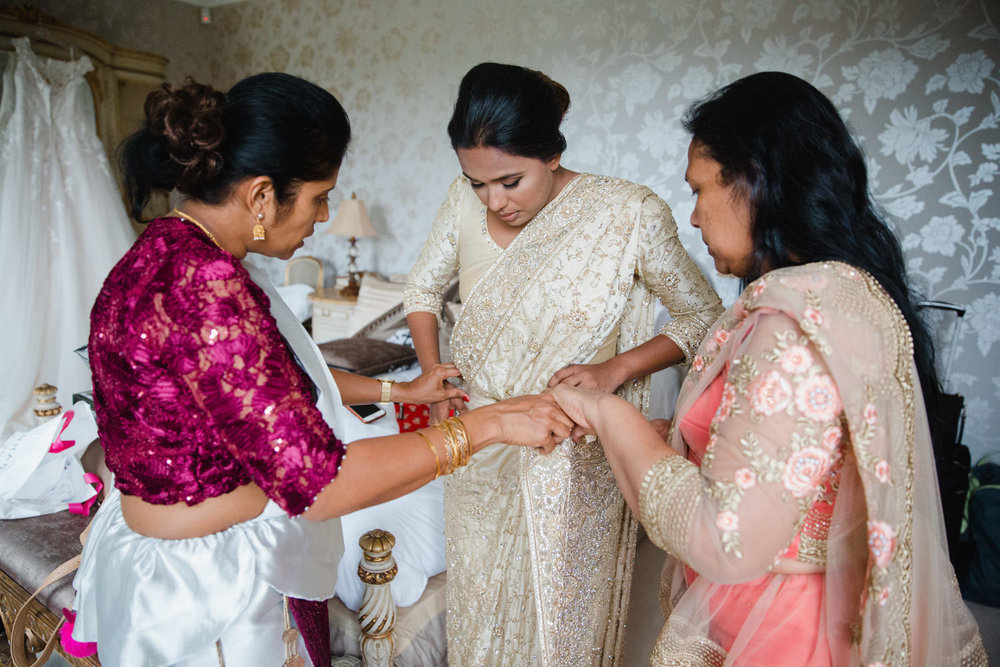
(190, 119)
(559, 90)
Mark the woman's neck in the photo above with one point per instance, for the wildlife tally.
(561, 178)
(220, 222)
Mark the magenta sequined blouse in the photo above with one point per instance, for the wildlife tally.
(195, 390)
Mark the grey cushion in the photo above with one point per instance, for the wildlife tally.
(31, 548)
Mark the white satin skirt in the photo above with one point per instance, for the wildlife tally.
(150, 602)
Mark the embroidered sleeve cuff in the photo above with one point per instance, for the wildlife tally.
(416, 300)
(687, 332)
(667, 500)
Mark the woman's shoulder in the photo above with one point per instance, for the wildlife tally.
(613, 187)
(811, 278)
(823, 293)
(459, 188)
(172, 255)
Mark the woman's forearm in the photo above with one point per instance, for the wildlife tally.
(630, 443)
(356, 388)
(375, 470)
(655, 354)
(424, 331)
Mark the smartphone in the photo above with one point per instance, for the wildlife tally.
(366, 412)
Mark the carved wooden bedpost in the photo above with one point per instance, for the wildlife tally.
(377, 614)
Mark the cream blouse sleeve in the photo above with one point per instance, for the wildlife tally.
(774, 440)
(670, 273)
(437, 264)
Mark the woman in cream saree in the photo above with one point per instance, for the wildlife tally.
(539, 548)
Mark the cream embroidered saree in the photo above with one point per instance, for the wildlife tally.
(820, 380)
(540, 548)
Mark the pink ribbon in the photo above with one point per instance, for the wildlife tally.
(70, 645)
(84, 507)
(59, 444)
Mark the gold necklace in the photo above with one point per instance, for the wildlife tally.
(185, 216)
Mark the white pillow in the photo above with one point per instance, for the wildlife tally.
(296, 297)
(375, 297)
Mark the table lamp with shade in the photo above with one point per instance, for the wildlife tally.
(352, 221)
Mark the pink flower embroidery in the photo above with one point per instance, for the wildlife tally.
(881, 542)
(720, 337)
(883, 596)
(757, 289)
(727, 521)
(745, 478)
(698, 364)
(796, 359)
(813, 315)
(726, 404)
(769, 393)
(712, 440)
(871, 414)
(804, 470)
(817, 398)
(831, 437)
(882, 471)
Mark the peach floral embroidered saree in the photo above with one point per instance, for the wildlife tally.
(821, 403)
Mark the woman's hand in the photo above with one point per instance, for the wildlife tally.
(443, 409)
(431, 387)
(600, 377)
(581, 405)
(535, 420)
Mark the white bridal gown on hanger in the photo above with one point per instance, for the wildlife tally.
(62, 228)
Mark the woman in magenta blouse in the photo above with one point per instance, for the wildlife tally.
(225, 464)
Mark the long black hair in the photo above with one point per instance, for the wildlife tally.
(515, 109)
(785, 147)
(203, 142)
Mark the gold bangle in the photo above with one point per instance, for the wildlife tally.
(458, 446)
(386, 390)
(450, 447)
(462, 435)
(437, 459)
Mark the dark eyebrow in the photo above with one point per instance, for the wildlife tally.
(495, 180)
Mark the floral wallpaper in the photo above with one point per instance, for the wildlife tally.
(918, 80)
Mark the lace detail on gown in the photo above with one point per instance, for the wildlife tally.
(62, 227)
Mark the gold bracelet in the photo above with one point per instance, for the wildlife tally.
(457, 443)
(450, 447)
(386, 390)
(437, 459)
(462, 435)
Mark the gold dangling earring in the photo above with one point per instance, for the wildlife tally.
(258, 229)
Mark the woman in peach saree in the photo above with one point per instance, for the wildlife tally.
(796, 495)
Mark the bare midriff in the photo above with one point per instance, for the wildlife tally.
(181, 521)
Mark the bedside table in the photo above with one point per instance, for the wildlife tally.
(331, 313)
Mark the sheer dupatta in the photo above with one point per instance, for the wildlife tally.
(888, 595)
